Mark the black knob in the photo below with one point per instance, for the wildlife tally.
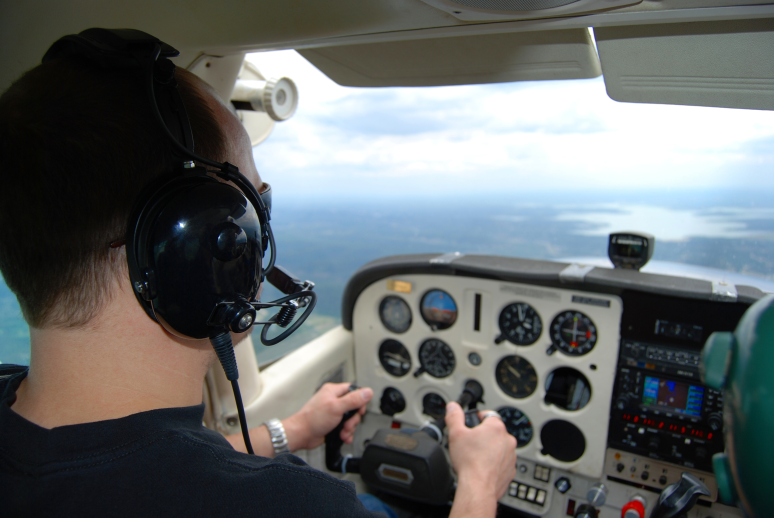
(562, 485)
(392, 401)
(662, 480)
(619, 467)
(700, 453)
(586, 511)
(645, 475)
(715, 421)
(622, 402)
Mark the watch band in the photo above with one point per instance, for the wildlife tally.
(279, 439)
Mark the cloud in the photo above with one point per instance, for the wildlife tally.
(509, 137)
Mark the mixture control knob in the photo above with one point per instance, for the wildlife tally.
(634, 509)
(597, 495)
(715, 421)
(562, 485)
(586, 511)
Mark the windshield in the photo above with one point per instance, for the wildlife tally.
(542, 170)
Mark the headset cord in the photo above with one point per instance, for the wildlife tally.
(224, 348)
(242, 418)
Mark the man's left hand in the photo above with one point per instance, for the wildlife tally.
(307, 428)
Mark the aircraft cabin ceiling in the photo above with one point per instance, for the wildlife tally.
(663, 51)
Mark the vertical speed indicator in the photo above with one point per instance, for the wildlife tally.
(573, 333)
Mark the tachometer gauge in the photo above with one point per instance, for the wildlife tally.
(395, 314)
(520, 324)
(394, 358)
(573, 333)
(518, 424)
(436, 357)
(433, 405)
(516, 376)
(438, 309)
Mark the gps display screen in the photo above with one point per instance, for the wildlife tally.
(673, 396)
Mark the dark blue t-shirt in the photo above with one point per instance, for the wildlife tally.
(156, 463)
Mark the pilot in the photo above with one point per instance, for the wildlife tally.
(107, 419)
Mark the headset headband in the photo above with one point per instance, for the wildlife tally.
(127, 49)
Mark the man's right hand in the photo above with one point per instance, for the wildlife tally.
(484, 458)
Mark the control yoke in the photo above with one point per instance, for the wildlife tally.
(406, 462)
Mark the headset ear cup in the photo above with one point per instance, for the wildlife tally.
(194, 243)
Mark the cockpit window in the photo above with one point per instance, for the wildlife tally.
(542, 170)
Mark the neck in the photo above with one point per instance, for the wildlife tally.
(110, 369)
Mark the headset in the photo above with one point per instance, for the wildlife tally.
(194, 245)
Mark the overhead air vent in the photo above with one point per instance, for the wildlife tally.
(488, 10)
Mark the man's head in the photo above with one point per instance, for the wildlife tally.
(77, 145)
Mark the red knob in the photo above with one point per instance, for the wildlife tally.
(633, 509)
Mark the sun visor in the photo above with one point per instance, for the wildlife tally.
(725, 64)
(457, 60)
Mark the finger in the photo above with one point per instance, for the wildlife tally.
(455, 417)
(491, 421)
(338, 389)
(348, 430)
(355, 399)
(351, 424)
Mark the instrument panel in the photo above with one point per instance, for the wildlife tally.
(546, 358)
(594, 371)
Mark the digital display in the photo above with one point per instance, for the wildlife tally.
(677, 397)
(671, 427)
(676, 330)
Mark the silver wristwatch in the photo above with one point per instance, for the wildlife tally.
(279, 439)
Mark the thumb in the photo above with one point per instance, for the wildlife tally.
(455, 417)
(355, 399)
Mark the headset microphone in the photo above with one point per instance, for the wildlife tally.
(194, 244)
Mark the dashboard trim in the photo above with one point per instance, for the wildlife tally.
(535, 272)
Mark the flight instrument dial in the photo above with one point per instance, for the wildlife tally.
(394, 357)
(573, 333)
(516, 376)
(518, 424)
(395, 314)
(520, 324)
(436, 357)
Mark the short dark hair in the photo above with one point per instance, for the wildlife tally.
(77, 145)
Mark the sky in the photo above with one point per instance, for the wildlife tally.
(502, 139)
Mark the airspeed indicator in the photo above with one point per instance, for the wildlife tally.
(520, 324)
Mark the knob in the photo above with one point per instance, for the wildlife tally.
(562, 485)
(586, 511)
(622, 402)
(619, 467)
(597, 495)
(645, 475)
(678, 498)
(700, 453)
(715, 421)
(662, 480)
(634, 508)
